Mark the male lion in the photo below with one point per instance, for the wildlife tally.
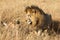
(34, 17)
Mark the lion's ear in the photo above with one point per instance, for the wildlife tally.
(27, 9)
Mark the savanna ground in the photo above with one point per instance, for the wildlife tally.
(12, 14)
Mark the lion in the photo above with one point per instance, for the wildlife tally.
(36, 18)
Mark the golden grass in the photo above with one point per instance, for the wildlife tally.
(12, 10)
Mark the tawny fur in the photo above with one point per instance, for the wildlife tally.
(35, 16)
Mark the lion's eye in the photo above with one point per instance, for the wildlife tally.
(29, 16)
(33, 11)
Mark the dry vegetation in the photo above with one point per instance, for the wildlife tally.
(14, 27)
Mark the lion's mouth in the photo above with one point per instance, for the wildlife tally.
(29, 22)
